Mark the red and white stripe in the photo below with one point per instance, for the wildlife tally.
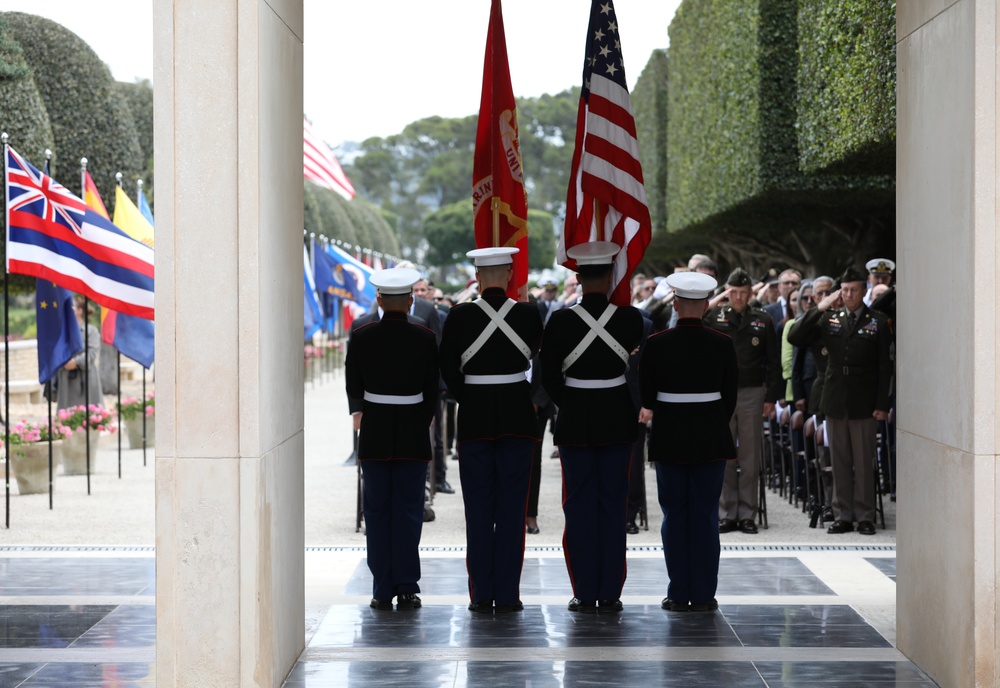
(606, 169)
(320, 166)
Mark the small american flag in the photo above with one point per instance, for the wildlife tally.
(320, 166)
(606, 199)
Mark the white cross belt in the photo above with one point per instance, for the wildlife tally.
(394, 399)
(700, 398)
(580, 383)
(495, 379)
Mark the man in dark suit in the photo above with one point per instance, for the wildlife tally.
(855, 393)
(486, 347)
(585, 354)
(781, 310)
(689, 378)
(392, 366)
(761, 384)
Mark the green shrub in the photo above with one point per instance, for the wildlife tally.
(88, 117)
(139, 97)
(847, 86)
(649, 106)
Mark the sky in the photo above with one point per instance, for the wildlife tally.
(373, 66)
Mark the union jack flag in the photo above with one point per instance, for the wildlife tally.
(53, 235)
(606, 199)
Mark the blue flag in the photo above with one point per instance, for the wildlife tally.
(340, 275)
(313, 312)
(58, 331)
(144, 207)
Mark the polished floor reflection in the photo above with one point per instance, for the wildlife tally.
(788, 617)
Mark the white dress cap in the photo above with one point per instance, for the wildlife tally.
(395, 280)
(497, 255)
(692, 285)
(594, 252)
(881, 266)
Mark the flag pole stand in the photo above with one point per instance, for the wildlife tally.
(86, 342)
(48, 385)
(6, 353)
(119, 415)
(495, 207)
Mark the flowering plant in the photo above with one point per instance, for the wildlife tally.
(77, 418)
(132, 407)
(312, 352)
(28, 432)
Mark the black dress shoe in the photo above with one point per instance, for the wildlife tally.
(578, 605)
(609, 606)
(533, 530)
(407, 600)
(381, 605)
(827, 514)
(704, 606)
(866, 528)
(727, 525)
(483, 607)
(839, 527)
(444, 488)
(673, 605)
(428, 513)
(631, 528)
(748, 526)
(509, 608)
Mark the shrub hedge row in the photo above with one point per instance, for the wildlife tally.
(732, 147)
(355, 222)
(649, 105)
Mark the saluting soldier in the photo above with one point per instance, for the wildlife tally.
(689, 378)
(486, 347)
(758, 353)
(392, 365)
(585, 354)
(855, 394)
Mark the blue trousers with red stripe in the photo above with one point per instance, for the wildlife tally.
(689, 496)
(595, 499)
(495, 476)
(393, 506)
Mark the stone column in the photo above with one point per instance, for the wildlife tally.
(947, 338)
(229, 454)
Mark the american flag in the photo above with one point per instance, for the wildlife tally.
(320, 166)
(53, 235)
(606, 199)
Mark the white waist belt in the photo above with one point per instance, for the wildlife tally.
(495, 379)
(672, 398)
(395, 399)
(580, 383)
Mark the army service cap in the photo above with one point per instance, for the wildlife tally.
(739, 278)
(395, 280)
(496, 255)
(594, 253)
(853, 274)
(692, 285)
(880, 266)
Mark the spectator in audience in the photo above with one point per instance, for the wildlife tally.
(781, 311)
(879, 272)
(81, 373)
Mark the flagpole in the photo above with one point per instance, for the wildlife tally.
(138, 202)
(6, 347)
(495, 207)
(118, 388)
(48, 171)
(86, 341)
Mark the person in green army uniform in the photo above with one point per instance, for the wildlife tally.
(760, 385)
(855, 393)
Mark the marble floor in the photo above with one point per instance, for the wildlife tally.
(788, 616)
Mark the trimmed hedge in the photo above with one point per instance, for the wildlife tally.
(87, 116)
(649, 105)
(139, 97)
(847, 86)
(732, 144)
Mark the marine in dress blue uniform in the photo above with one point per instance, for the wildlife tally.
(585, 353)
(392, 365)
(689, 378)
(485, 350)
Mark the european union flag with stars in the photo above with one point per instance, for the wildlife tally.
(58, 331)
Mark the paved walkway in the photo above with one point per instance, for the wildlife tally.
(797, 606)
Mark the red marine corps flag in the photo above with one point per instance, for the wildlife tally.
(606, 199)
(499, 201)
